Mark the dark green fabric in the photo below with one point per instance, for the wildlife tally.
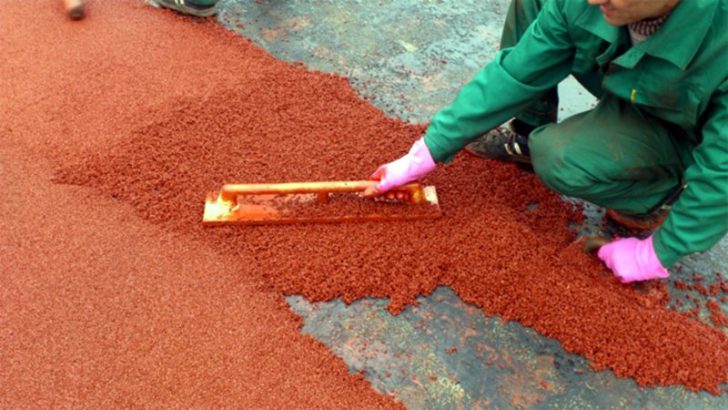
(678, 75)
(633, 161)
(543, 110)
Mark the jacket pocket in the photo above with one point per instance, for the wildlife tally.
(670, 98)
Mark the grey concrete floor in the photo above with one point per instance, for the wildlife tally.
(410, 58)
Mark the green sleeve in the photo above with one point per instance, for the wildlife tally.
(506, 86)
(699, 218)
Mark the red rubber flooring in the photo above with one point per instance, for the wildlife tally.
(98, 308)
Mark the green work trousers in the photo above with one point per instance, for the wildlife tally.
(614, 155)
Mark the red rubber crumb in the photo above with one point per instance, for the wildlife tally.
(716, 314)
(155, 111)
(700, 288)
(692, 313)
(723, 282)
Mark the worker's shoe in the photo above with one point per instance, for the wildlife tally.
(644, 222)
(503, 143)
(651, 220)
(188, 7)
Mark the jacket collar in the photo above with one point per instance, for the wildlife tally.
(677, 41)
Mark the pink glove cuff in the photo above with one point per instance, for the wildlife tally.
(649, 260)
(421, 158)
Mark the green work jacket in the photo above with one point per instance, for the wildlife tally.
(679, 74)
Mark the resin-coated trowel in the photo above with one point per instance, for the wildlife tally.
(317, 202)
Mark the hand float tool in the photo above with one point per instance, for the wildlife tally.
(317, 202)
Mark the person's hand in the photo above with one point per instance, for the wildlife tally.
(632, 259)
(416, 164)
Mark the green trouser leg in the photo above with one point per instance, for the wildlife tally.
(203, 2)
(521, 14)
(613, 156)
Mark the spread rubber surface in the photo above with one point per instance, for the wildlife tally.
(99, 309)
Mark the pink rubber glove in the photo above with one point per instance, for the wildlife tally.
(416, 164)
(632, 260)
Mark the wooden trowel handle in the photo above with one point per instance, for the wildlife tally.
(316, 187)
(415, 191)
(297, 187)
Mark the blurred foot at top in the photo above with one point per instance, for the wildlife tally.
(199, 8)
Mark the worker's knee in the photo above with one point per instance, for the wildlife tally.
(554, 161)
